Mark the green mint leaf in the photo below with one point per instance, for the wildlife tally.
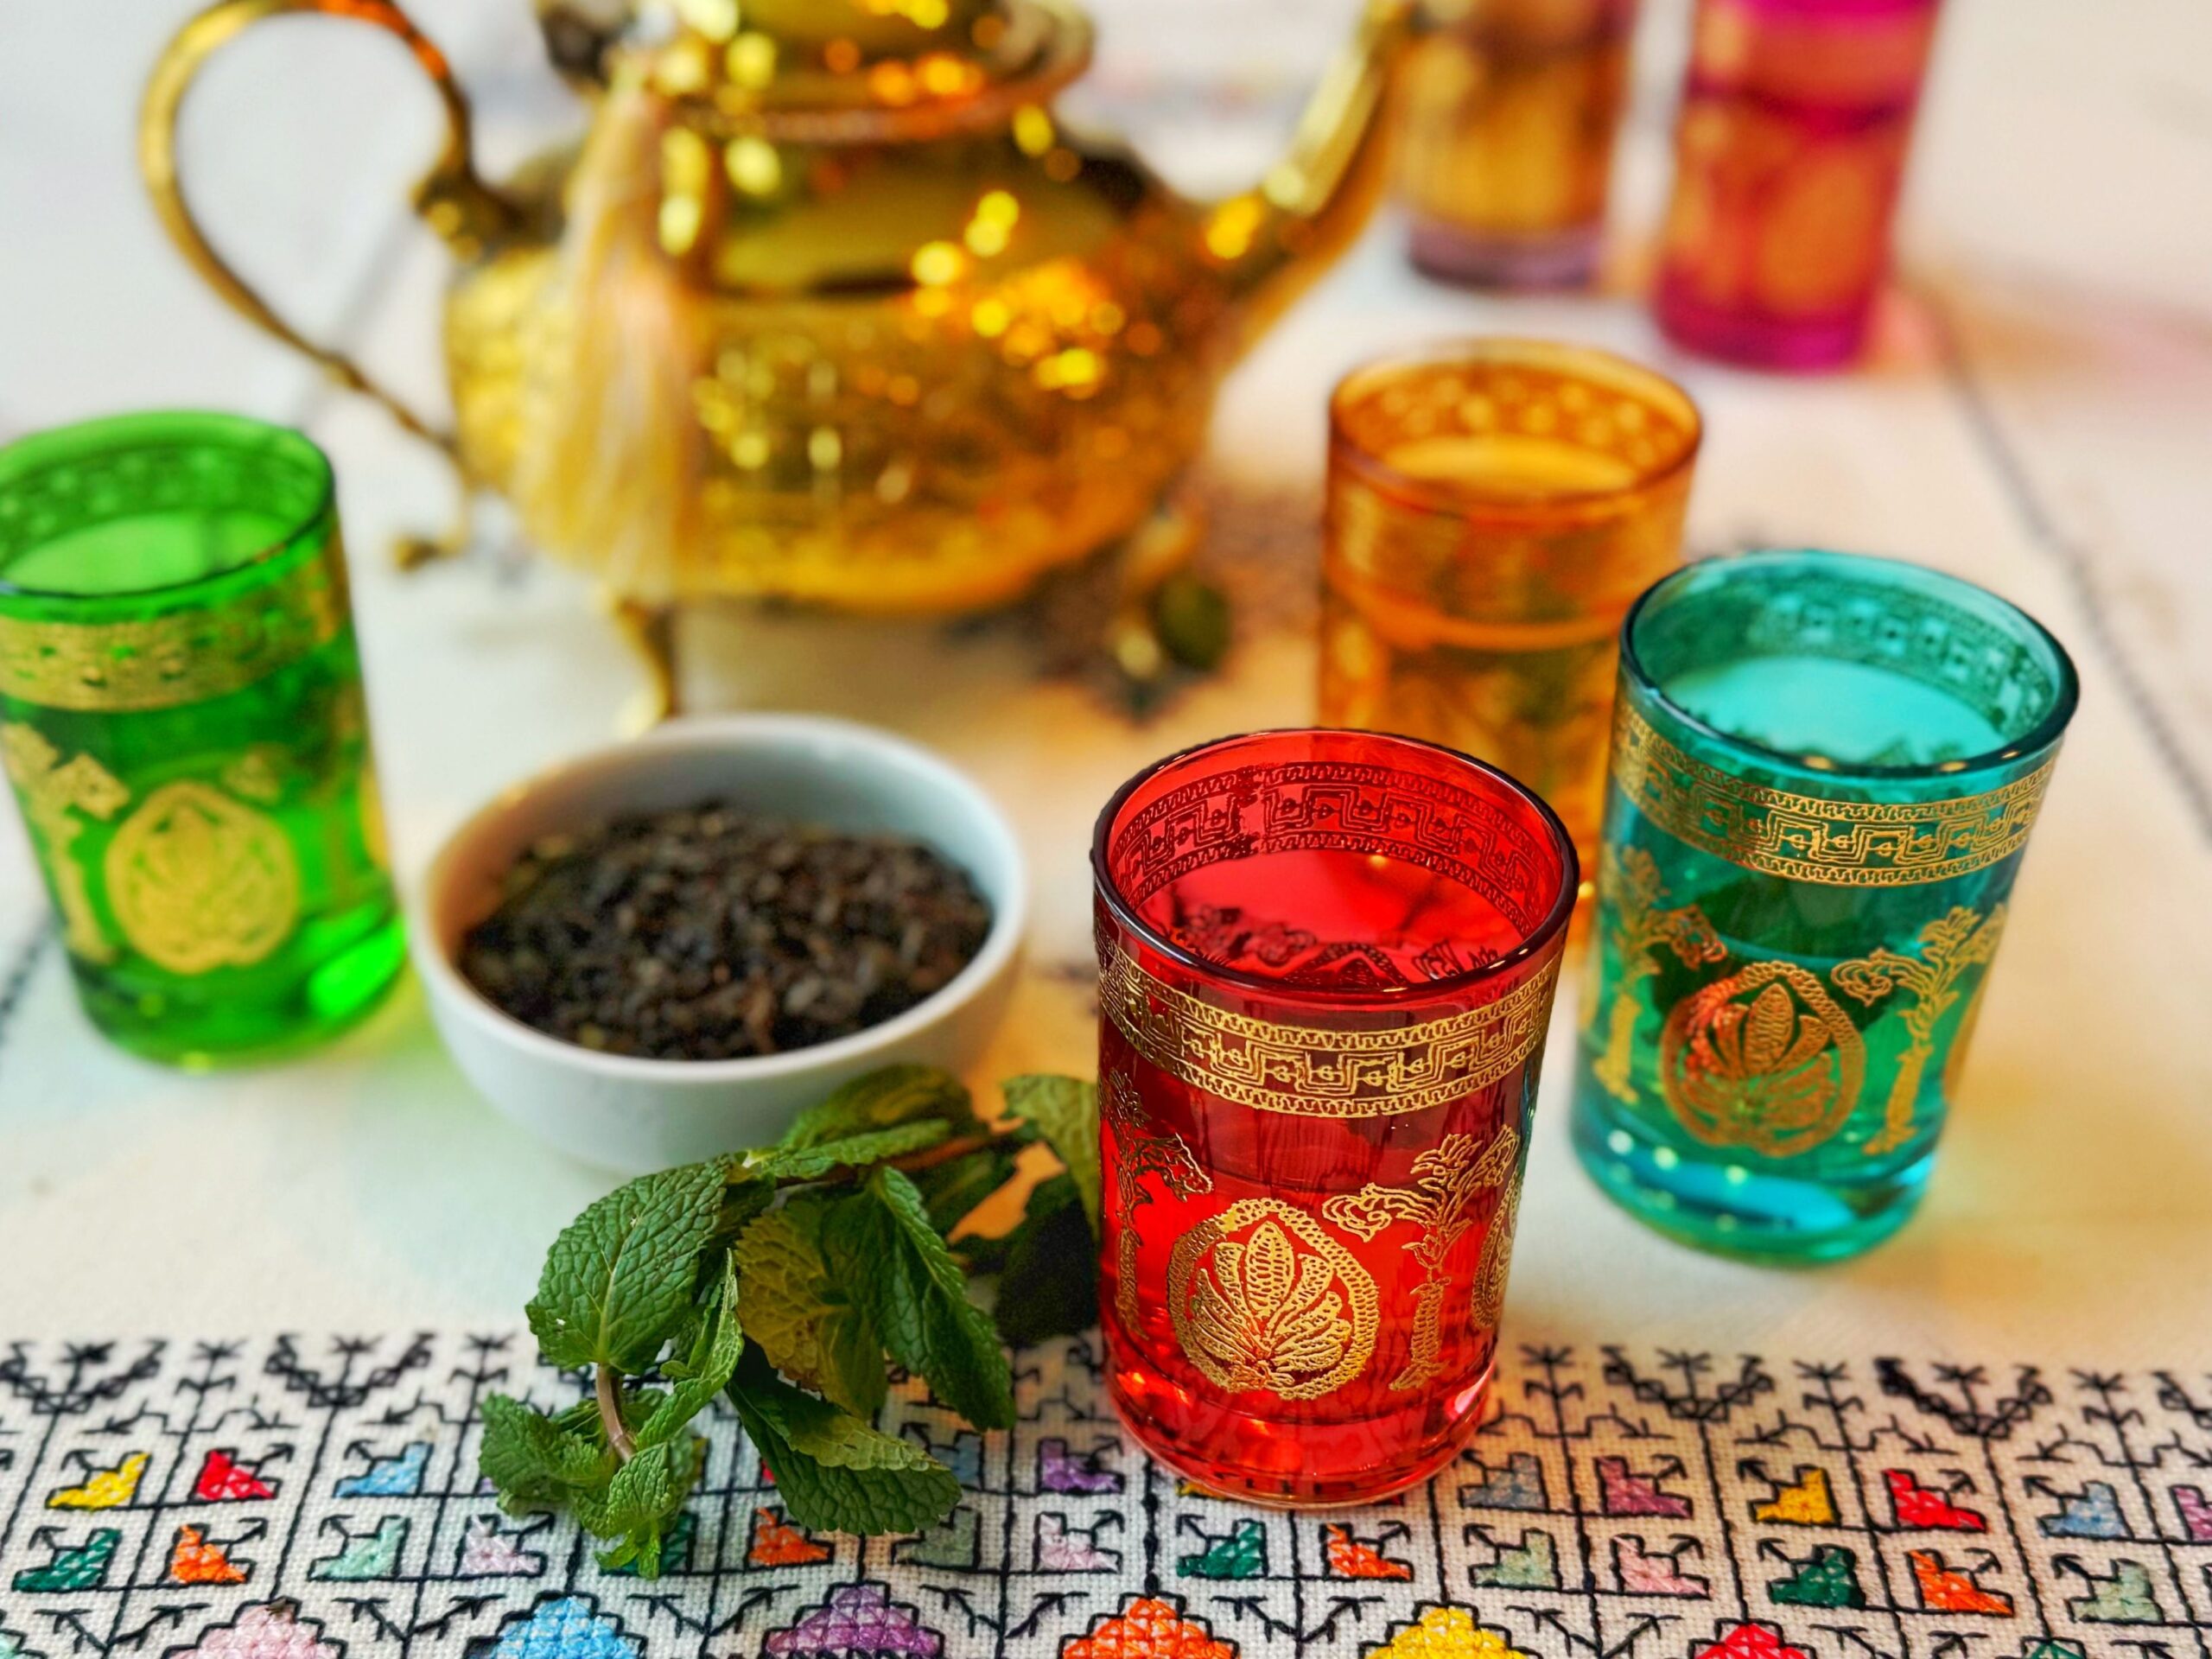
(1048, 1286)
(640, 1502)
(618, 1279)
(703, 1365)
(1065, 1112)
(535, 1460)
(953, 1189)
(882, 1100)
(810, 1331)
(833, 1471)
(849, 1151)
(882, 1250)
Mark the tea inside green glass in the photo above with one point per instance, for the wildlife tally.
(181, 716)
(1825, 772)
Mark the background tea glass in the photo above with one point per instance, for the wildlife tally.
(1507, 138)
(1327, 960)
(1492, 512)
(1788, 154)
(1825, 770)
(181, 716)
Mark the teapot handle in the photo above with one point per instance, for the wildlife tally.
(455, 202)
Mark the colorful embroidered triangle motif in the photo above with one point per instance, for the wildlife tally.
(1626, 1492)
(1148, 1628)
(1518, 1485)
(1750, 1642)
(194, 1560)
(954, 1542)
(1645, 1574)
(81, 1566)
(1059, 1550)
(1241, 1554)
(2093, 1512)
(1357, 1557)
(1808, 1502)
(488, 1553)
(1827, 1578)
(103, 1489)
(1059, 1469)
(1946, 1590)
(364, 1557)
(1531, 1565)
(398, 1476)
(2123, 1597)
(223, 1479)
(1919, 1508)
(777, 1542)
(1447, 1633)
(562, 1627)
(2195, 1513)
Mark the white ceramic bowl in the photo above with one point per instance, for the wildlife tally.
(638, 1115)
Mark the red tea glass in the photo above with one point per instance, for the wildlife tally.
(1789, 153)
(1326, 961)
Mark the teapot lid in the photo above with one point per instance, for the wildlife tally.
(851, 71)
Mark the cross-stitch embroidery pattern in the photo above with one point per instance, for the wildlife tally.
(298, 1499)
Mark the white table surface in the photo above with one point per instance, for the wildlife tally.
(2039, 418)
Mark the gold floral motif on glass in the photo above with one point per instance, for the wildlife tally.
(1806, 838)
(1262, 1298)
(1139, 1150)
(53, 791)
(199, 881)
(1762, 1060)
(1948, 948)
(1306, 1072)
(1450, 1181)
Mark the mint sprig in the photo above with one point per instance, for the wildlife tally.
(786, 1279)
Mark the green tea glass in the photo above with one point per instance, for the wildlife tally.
(181, 716)
(1825, 770)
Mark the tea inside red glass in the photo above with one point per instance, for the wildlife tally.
(1327, 960)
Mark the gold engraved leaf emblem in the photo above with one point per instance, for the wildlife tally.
(200, 881)
(1262, 1296)
(1763, 1059)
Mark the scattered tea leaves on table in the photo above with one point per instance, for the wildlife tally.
(782, 1278)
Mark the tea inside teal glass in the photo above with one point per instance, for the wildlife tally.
(182, 718)
(1825, 770)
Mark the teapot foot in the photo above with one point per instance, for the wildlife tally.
(649, 631)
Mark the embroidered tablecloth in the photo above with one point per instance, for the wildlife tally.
(2034, 420)
(317, 1498)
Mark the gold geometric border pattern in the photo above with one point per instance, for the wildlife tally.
(188, 657)
(1303, 1072)
(1804, 838)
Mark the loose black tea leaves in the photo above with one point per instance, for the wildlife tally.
(711, 934)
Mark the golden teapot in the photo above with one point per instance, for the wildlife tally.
(829, 306)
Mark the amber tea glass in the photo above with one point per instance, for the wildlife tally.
(1326, 964)
(1510, 116)
(1492, 512)
(181, 716)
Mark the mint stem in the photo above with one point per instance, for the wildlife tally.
(610, 1414)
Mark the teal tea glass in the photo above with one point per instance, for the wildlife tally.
(181, 716)
(1825, 769)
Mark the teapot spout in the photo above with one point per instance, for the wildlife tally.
(1274, 240)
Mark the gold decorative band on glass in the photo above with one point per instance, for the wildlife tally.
(1303, 1072)
(1805, 838)
(166, 661)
